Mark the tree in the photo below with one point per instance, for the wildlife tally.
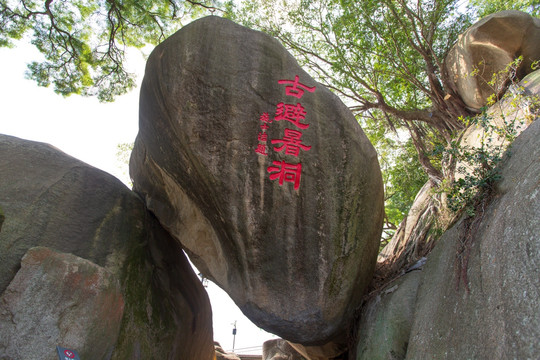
(403, 180)
(386, 57)
(84, 41)
(402, 175)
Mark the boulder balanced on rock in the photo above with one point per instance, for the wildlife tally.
(486, 49)
(262, 174)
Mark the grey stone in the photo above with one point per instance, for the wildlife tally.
(296, 261)
(478, 296)
(387, 319)
(59, 299)
(487, 309)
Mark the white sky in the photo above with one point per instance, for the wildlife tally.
(90, 131)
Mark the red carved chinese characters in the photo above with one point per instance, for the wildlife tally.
(262, 137)
(291, 143)
(292, 113)
(296, 89)
(286, 172)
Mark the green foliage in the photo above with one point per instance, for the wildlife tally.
(486, 7)
(83, 41)
(384, 58)
(402, 174)
(477, 168)
(123, 153)
(405, 179)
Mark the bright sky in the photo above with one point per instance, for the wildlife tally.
(90, 131)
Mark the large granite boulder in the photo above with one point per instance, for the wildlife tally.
(487, 48)
(89, 220)
(262, 174)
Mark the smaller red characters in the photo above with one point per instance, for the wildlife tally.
(262, 137)
(297, 88)
(286, 172)
(261, 149)
(265, 117)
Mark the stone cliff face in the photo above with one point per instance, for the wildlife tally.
(489, 307)
(478, 294)
(262, 174)
(84, 265)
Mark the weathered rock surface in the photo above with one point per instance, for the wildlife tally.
(489, 46)
(387, 319)
(490, 307)
(279, 349)
(517, 109)
(295, 252)
(52, 200)
(58, 299)
(479, 296)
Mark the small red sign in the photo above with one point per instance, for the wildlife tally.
(67, 354)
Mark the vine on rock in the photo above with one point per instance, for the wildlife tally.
(477, 165)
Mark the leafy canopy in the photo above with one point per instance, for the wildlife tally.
(84, 41)
(384, 57)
